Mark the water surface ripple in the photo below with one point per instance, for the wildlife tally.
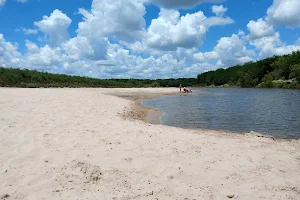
(268, 111)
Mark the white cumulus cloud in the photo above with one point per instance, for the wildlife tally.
(116, 19)
(170, 30)
(228, 52)
(284, 12)
(262, 34)
(232, 51)
(44, 58)
(272, 45)
(55, 27)
(259, 29)
(78, 48)
(82, 47)
(219, 10)
(9, 55)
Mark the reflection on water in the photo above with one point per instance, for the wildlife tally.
(269, 111)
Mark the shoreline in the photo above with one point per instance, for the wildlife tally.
(75, 144)
(139, 111)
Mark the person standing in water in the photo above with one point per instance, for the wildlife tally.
(180, 86)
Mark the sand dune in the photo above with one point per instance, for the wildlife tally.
(80, 144)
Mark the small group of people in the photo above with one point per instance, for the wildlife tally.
(185, 90)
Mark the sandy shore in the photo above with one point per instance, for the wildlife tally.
(80, 144)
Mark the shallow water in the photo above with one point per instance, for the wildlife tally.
(268, 111)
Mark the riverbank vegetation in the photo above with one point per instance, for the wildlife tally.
(275, 72)
(10, 77)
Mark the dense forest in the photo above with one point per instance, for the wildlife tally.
(277, 71)
(11, 77)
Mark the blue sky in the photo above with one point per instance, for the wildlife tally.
(144, 38)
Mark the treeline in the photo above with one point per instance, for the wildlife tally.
(11, 77)
(277, 71)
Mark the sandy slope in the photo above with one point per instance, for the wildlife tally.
(74, 144)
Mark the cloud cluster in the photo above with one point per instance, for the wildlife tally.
(115, 20)
(229, 51)
(272, 45)
(9, 55)
(262, 32)
(171, 31)
(112, 40)
(182, 3)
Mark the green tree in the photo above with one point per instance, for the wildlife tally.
(267, 81)
(295, 72)
(155, 84)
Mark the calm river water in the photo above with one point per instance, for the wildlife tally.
(268, 111)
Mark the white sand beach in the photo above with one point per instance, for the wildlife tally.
(81, 144)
